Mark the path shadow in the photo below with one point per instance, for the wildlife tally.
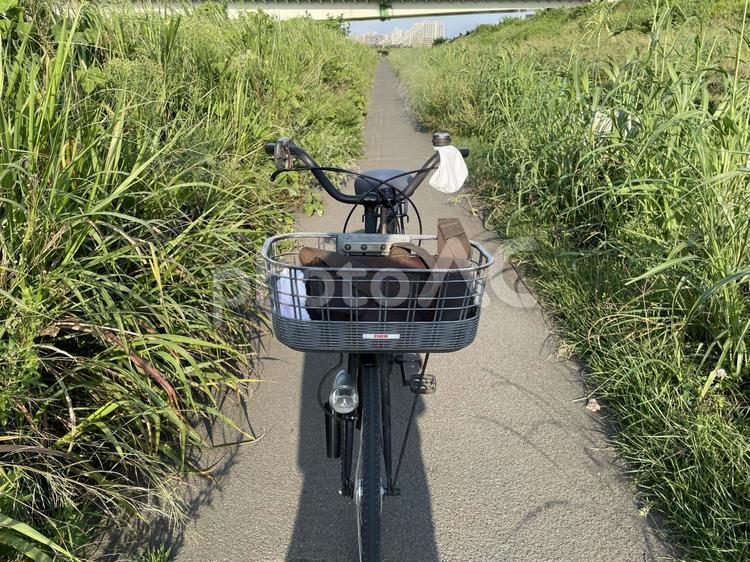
(325, 526)
(217, 457)
(128, 544)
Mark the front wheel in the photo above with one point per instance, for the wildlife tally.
(368, 485)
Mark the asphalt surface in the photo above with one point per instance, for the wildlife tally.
(506, 462)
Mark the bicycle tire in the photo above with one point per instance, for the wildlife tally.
(368, 469)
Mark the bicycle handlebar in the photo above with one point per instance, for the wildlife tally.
(287, 148)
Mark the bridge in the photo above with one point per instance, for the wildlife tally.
(384, 9)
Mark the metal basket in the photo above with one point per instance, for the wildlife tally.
(404, 309)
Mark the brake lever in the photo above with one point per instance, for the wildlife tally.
(282, 156)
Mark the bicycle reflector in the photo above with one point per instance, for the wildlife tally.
(344, 398)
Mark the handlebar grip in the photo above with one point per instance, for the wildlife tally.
(464, 151)
(269, 148)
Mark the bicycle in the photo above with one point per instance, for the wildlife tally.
(382, 314)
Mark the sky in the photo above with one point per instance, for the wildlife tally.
(454, 25)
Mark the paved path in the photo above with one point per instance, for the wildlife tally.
(505, 464)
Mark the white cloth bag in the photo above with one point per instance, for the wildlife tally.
(452, 172)
(290, 300)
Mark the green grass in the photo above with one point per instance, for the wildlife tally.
(162, 554)
(618, 135)
(131, 170)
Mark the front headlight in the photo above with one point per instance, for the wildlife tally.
(344, 398)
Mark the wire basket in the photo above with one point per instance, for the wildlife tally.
(371, 309)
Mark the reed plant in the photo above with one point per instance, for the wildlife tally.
(629, 163)
(131, 169)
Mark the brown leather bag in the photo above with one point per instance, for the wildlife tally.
(344, 295)
(415, 294)
(452, 290)
(452, 240)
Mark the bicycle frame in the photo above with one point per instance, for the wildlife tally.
(383, 220)
(385, 208)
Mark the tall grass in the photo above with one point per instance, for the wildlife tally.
(627, 159)
(131, 168)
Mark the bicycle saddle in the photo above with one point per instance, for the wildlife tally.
(377, 177)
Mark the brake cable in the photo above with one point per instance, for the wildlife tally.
(378, 187)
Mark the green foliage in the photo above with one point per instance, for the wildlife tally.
(131, 172)
(617, 136)
(161, 554)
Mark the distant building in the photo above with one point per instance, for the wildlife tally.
(372, 39)
(395, 37)
(421, 34)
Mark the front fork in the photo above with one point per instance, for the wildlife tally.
(347, 423)
(385, 406)
(347, 483)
